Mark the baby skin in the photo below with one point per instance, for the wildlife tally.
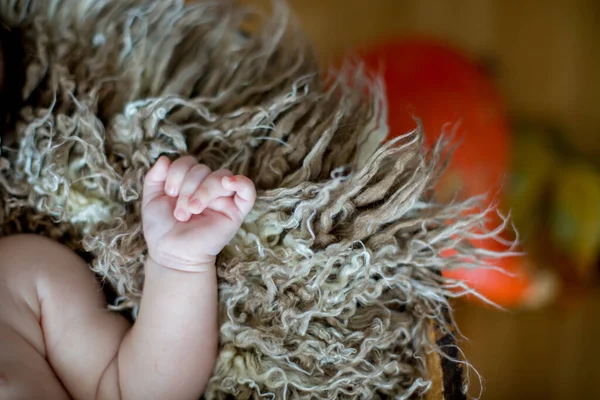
(59, 341)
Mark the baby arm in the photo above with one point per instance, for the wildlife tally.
(189, 214)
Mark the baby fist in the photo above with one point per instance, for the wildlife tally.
(189, 213)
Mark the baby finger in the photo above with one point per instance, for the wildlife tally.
(177, 171)
(192, 180)
(245, 192)
(210, 189)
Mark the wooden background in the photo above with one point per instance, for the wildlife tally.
(547, 53)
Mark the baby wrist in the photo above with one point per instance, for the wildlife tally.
(200, 267)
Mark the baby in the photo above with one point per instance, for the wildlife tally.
(57, 339)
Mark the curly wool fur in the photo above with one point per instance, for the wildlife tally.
(329, 289)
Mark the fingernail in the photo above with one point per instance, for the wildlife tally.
(229, 179)
(181, 214)
(171, 191)
(195, 205)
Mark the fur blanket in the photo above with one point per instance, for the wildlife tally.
(331, 286)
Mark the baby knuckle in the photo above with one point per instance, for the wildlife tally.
(185, 160)
(248, 182)
(224, 172)
(200, 168)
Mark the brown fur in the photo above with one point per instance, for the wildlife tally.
(328, 290)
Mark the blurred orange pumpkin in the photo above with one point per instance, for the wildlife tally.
(446, 90)
(430, 80)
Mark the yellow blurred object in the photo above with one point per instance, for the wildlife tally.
(575, 216)
(530, 180)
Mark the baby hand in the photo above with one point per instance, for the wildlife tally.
(189, 213)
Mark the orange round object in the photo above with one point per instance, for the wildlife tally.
(507, 282)
(508, 291)
(449, 93)
(446, 90)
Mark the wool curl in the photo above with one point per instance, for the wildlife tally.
(329, 289)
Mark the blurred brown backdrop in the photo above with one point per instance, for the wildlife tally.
(546, 51)
(545, 54)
